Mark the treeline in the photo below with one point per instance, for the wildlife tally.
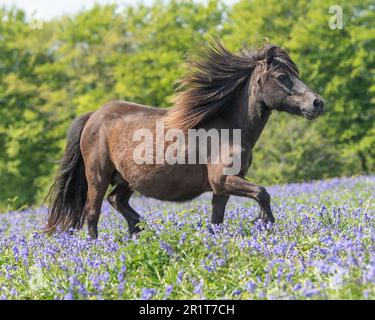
(51, 73)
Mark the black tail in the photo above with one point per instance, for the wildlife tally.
(68, 193)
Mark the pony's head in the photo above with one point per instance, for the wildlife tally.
(279, 86)
(215, 77)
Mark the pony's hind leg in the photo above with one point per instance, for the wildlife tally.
(98, 175)
(95, 195)
(119, 199)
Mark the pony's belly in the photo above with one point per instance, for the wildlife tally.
(172, 183)
(179, 195)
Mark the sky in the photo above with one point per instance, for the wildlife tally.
(46, 9)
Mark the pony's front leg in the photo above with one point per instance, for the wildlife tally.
(218, 208)
(238, 186)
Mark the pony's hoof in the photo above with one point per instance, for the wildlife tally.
(134, 231)
(264, 219)
(214, 228)
(210, 229)
(255, 220)
(271, 219)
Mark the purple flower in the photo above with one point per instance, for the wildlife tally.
(168, 291)
(198, 288)
(250, 287)
(180, 274)
(148, 293)
(182, 239)
(120, 288)
(69, 296)
(297, 287)
(370, 275)
(165, 246)
(236, 292)
(16, 253)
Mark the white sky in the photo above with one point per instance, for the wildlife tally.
(46, 9)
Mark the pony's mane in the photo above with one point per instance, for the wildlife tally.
(213, 78)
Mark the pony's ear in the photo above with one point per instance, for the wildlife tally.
(270, 54)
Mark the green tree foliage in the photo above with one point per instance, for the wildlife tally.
(74, 64)
(26, 132)
(341, 64)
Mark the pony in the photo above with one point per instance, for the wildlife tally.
(220, 90)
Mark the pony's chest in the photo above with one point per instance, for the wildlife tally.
(246, 160)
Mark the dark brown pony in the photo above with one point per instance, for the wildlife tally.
(221, 90)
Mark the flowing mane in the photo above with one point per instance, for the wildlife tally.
(214, 77)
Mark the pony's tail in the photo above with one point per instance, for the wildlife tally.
(68, 193)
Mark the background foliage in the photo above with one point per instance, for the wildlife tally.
(76, 63)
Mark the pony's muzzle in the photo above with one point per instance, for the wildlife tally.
(314, 109)
(318, 105)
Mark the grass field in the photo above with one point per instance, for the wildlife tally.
(322, 246)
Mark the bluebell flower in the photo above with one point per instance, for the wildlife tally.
(148, 293)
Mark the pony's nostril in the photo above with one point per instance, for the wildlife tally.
(318, 103)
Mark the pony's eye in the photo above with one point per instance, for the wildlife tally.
(281, 77)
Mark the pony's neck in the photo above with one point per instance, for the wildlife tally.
(252, 115)
(258, 115)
